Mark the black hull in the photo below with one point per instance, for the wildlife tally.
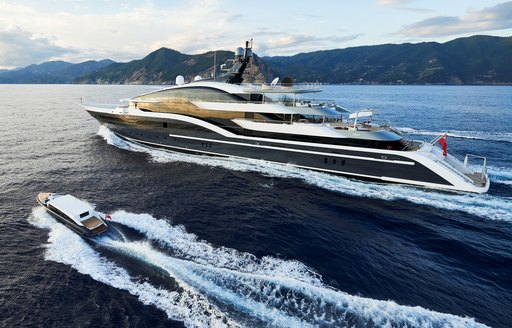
(82, 232)
(361, 163)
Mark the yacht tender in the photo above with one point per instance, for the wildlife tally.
(279, 123)
(74, 213)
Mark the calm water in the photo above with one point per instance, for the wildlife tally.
(221, 242)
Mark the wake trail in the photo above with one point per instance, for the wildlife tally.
(64, 246)
(482, 205)
(500, 174)
(476, 135)
(218, 284)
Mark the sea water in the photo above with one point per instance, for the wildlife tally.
(228, 242)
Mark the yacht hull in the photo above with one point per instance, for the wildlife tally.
(184, 134)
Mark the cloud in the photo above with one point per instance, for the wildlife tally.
(192, 27)
(21, 48)
(402, 5)
(121, 35)
(493, 18)
(281, 43)
(392, 2)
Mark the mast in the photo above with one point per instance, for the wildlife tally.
(242, 58)
(214, 64)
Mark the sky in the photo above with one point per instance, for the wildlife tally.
(36, 31)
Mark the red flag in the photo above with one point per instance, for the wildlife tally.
(442, 141)
(108, 217)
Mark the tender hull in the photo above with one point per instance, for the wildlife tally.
(184, 134)
(82, 231)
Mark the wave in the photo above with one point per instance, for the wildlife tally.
(65, 246)
(500, 174)
(222, 287)
(478, 135)
(486, 206)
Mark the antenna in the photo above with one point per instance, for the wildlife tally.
(242, 59)
(214, 64)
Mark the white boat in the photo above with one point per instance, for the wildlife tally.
(286, 124)
(74, 213)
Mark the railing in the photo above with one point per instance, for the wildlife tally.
(307, 102)
(407, 139)
(257, 120)
(462, 162)
(455, 154)
(484, 163)
(277, 98)
(323, 120)
(433, 141)
(104, 105)
(279, 86)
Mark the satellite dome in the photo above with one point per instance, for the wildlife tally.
(239, 52)
(198, 78)
(180, 80)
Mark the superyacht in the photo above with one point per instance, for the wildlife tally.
(287, 123)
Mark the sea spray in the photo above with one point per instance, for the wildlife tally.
(279, 292)
(483, 205)
(273, 297)
(65, 246)
(477, 135)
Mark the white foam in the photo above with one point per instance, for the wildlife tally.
(266, 288)
(500, 174)
(186, 245)
(478, 135)
(275, 294)
(198, 277)
(487, 206)
(64, 246)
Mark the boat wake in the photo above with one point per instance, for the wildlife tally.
(478, 135)
(222, 287)
(484, 205)
(500, 175)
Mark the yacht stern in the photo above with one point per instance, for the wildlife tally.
(461, 171)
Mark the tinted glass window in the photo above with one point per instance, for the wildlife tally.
(203, 94)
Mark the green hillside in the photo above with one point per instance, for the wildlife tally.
(472, 60)
(159, 67)
(52, 72)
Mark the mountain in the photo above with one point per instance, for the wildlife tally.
(163, 65)
(471, 60)
(52, 72)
